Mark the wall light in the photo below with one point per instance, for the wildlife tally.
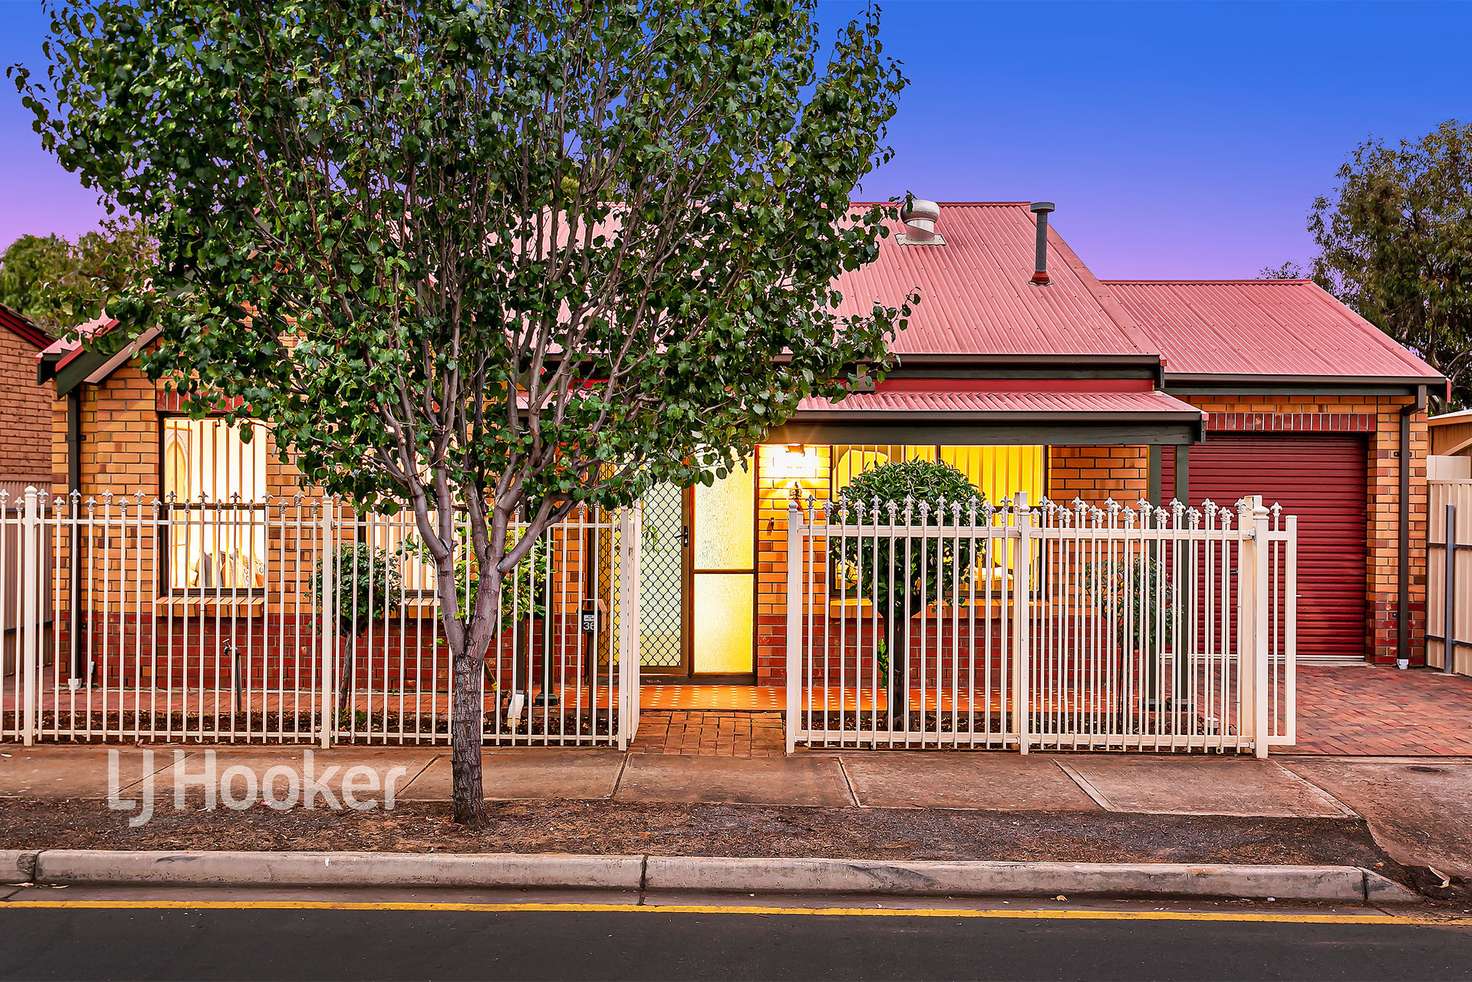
(795, 462)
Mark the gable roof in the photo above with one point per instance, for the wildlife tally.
(976, 297)
(23, 327)
(1263, 328)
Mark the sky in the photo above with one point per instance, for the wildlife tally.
(1178, 140)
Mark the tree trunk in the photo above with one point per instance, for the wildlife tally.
(467, 702)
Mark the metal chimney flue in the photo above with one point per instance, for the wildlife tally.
(1040, 262)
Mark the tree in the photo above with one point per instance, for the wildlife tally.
(1395, 241)
(54, 281)
(486, 259)
(902, 583)
(1288, 270)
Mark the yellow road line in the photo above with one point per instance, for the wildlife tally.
(745, 910)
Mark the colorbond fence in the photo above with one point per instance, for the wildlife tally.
(1449, 577)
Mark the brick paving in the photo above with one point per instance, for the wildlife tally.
(1376, 711)
(675, 695)
(710, 734)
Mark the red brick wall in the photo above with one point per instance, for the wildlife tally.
(1095, 474)
(25, 409)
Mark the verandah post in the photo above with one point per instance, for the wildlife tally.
(328, 613)
(30, 617)
(795, 532)
(1021, 616)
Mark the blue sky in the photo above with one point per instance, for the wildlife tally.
(1179, 140)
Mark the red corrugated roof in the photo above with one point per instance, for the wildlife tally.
(975, 294)
(1262, 328)
(1031, 405)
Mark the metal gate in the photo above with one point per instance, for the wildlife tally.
(298, 620)
(1065, 627)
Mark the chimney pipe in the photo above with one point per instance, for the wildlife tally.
(1040, 264)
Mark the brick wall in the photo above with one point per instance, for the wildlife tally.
(25, 409)
(1095, 474)
(120, 439)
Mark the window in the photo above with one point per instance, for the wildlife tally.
(214, 485)
(996, 471)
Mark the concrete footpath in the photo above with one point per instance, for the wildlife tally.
(1416, 807)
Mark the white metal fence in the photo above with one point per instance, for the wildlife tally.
(295, 620)
(1049, 627)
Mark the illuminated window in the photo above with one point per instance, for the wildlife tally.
(214, 484)
(998, 472)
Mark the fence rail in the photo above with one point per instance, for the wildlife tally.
(1049, 627)
(297, 620)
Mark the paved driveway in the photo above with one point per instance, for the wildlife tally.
(1381, 712)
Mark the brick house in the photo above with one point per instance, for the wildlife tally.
(1021, 368)
(25, 408)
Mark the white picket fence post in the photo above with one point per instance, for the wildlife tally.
(1022, 611)
(796, 530)
(1260, 623)
(328, 613)
(630, 529)
(31, 568)
(1252, 622)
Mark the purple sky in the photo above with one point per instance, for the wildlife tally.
(1178, 140)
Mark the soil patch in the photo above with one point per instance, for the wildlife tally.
(711, 830)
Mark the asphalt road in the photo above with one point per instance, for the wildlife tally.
(249, 942)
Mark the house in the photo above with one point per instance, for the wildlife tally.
(1021, 368)
(25, 454)
(1451, 446)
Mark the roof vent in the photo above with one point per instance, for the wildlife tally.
(920, 217)
(1040, 264)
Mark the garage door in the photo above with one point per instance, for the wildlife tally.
(1321, 479)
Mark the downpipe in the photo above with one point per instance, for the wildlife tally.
(1403, 545)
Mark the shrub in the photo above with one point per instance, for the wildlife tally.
(935, 484)
(936, 493)
(364, 579)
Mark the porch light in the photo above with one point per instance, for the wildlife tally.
(795, 462)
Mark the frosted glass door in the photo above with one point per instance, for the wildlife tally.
(723, 575)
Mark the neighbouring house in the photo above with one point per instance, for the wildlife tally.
(25, 449)
(1020, 367)
(1451, 446)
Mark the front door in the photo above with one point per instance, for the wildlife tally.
(697, 580)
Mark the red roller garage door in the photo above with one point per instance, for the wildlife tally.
(1321, 479)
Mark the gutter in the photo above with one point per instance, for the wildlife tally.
(1403, 546)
